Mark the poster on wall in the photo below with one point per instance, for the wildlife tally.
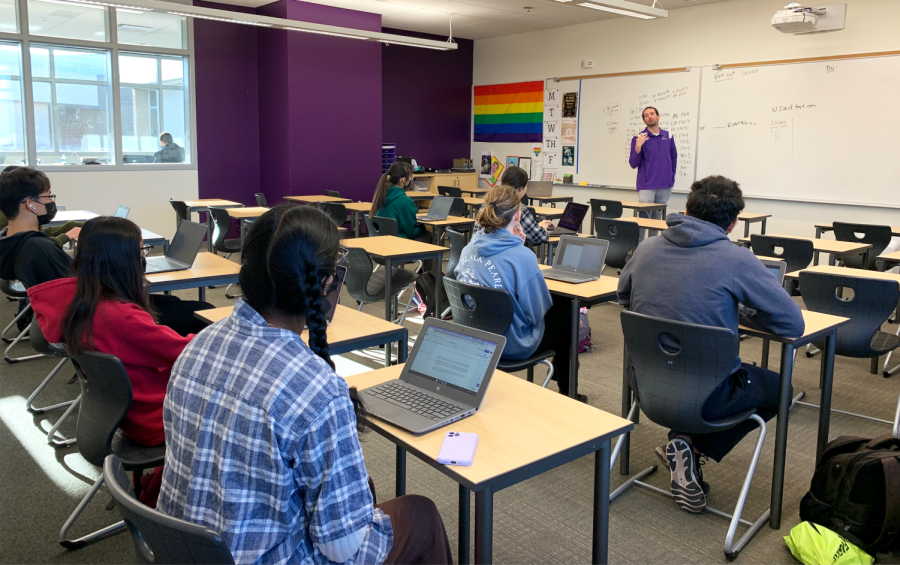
(512, 162)
(568, 156)
(496, 171)
(551, 160)
(485, 165)
(568, 132)
(537, 163)
(525, 164)
(552, 105)
(570, 105)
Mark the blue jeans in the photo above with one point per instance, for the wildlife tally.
(658, 196)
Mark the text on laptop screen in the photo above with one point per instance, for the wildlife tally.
(453, 359)
(575, 256)
(573, 216)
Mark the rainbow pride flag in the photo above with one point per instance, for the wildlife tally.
(509, 113)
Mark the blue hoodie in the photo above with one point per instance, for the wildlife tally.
(694, 273)
(500, 260)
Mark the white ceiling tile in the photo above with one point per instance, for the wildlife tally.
(491, 29)
(576, 16)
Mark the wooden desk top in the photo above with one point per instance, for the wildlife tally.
(550, 197)
(895, 256)
(253, 212)
(450, 221)
(420, 195)
(473, 201)
(847, 272)
(519, 424)
(817, 325)
(313, 198)
(642, 205)
(204, 202)
(648, 223)
(750, 216)
(348, 325)
(358, 206)
(392, 246)
(824, 245)
(602, 288)
(205, 266)
(895, 230)
(548, 212)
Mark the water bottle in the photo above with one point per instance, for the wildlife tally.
(63, 159)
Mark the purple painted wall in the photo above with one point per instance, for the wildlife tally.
(274, 144)
(427, 100)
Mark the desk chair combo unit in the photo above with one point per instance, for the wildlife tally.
(677, 366)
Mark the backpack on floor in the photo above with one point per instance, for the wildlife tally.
(855, 492)
(584, 332)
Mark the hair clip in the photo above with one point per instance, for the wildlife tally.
(494, 204)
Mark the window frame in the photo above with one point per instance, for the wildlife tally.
(24, 39)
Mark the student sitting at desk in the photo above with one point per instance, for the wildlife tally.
(693, 273)
(535, 231)
(497, 257)
(391, 201)
(261, 434)
(106, 308)
(59, 234)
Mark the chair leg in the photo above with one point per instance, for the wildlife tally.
(11, 325)
(51, 435)
(361, 304)
(811, 350)
(84, 540)
(412, 293)
(230, 295)
(21, 337)
(733, 549)
(549, 372)
(44, 383)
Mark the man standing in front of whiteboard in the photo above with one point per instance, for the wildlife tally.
(654, 155)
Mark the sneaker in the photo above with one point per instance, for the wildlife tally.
(686, 487)
(701, 459)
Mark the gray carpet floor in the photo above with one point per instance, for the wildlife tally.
(544, 520)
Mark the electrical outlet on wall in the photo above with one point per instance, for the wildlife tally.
(587, 64)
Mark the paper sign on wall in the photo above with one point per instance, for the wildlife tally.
(537, 163)
(570, 105)
(551, 143)
(512, 162)
(551, 160)
(568, 132)
(525, 164)
(485, 171)
(552, 105)
(568, 156)
(496, 171)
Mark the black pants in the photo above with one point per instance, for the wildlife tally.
(749, 387)
(178, 314)
(558, 337)
(419, 534)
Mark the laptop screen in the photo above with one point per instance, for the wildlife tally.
(122, 211)
(440, 206)
(186, 242)
(453, 359)
(573, 216)
(331, 299)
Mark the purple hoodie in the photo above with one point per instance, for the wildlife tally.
(656, 162)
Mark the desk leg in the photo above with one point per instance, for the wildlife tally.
(865, 259)
(746, 229)
(600, 550)
(462, 551)
(832, 259)
(764, 226)
(388, 310)
(781, 435)
(402, 348)
(825, 400)
(764, 361)
(202, 292)
(400, 479)
(573, 350)
(625, 452)
(438, 284)
(484, 526)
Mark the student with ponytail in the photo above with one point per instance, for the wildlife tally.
(261, 434)
(497, 257)
(391, 201)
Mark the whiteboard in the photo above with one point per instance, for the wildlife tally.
(805, 131)
(610, 109)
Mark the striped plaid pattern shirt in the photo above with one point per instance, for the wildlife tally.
(262, 446)
(534, 233)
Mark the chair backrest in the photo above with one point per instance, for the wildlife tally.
(605, 209)
(181, 212)
(159, 538)
(337, 212)
(332, 193)
(105, 399)
(797, 253)
(677, 366)
(480, 307)
(221, 227)
(458, 208)
(382, 226)
(879, 237)
(454, 191)
(622, 237)
(14, 289)
(457, 244)
(40, 344)
(261, 200)
(868, 306)
(359, 271)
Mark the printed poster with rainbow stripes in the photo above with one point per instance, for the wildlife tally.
(509, 113)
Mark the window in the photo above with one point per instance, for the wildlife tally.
(150, 29)
(56, 18)
(12, 118)
(153, 102)
(9, 23)
(71, 105)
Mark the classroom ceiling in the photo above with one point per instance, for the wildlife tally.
(477, 19)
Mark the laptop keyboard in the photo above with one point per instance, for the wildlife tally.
(414, 401)
(568, 275)
(163, 263)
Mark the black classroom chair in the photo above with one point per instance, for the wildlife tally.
(221, 226)
(261, 200)
(879, 237)
(453, 191)
(366, 286)
(181, 211)
(796, 253)
(622, 236)
(332, 193)
(610, 209)
(52, 351)
(336, 211)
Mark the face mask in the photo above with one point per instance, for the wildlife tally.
(48, 215)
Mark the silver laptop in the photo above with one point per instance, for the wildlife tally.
(570, 222)
(182, 251)
(444, 379)
(122, 211)
(777, 268)
(439, 209)
(578, 260)
(539, 188)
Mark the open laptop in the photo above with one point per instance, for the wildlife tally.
(444, 379)
(539, 188)
(182, 251)
(578, 260)
(439, 209)
(332, 298)
(570, 223)
(776, 267)
(122, 211)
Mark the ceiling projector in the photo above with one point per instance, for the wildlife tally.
(796, 18)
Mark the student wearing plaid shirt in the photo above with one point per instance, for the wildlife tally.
(535, 231)
(261, 433)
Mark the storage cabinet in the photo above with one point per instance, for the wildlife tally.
(434, 180)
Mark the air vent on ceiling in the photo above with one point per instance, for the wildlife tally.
(129, 27)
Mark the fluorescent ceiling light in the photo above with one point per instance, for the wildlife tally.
(229, 20)
(563, 0)
(98, 5)
(72, 4)
(326, 33)
(624, 8)
(390, 42)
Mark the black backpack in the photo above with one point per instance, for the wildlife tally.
(855, 492)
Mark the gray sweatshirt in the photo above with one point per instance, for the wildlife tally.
(694, 273)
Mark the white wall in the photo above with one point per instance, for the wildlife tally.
(734, 31)
(146, 192)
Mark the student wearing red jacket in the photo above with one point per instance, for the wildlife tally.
(106, 308)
